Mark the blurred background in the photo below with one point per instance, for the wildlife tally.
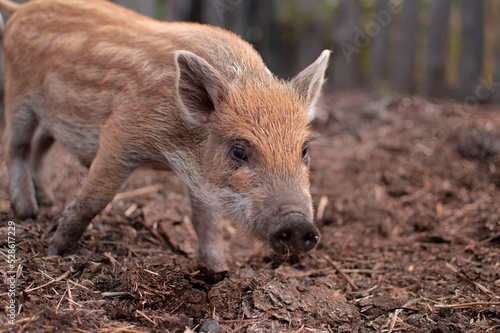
(435, 48)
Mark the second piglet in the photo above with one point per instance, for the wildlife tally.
(120, 91)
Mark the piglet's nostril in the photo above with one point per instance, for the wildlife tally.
(285, 237)
(294, 235)
(310, 240)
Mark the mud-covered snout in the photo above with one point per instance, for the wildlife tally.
(295, 234)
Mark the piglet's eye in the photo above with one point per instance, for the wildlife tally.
(238, 154)
(305, 152)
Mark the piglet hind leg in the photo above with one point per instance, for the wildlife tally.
(42, 141)
(207, 224)
(20, 126)
(108, 171)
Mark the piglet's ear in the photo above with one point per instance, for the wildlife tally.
(308, 83)
(200, 87)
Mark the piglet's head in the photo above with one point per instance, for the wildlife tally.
(253, 161)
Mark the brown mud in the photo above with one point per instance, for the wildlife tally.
(407, 199)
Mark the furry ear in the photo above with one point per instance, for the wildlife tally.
(200, 87)
(308, 83)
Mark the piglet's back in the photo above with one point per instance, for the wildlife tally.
(98, 36)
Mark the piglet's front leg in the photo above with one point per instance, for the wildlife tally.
(207, 225)
(108, 171)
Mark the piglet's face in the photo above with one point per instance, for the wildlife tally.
(254, 163)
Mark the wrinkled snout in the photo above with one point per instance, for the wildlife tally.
(294, 235)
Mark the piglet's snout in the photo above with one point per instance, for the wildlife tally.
(294, 235)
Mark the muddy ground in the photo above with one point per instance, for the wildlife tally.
(407, 197)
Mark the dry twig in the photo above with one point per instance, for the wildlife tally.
(463, 276)
(344, 275)
(65, 275)
(146, 317)
(466, 305)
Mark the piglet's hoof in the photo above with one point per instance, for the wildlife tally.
(52, 251)
(57, 250)
(25, 209)
(210, 326)
(60, 245)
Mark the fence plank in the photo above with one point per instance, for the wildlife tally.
(380, 43)
(404, 76)
(438, 48)
(471, 52)
(348, 44)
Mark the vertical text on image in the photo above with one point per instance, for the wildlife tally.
(11, 272)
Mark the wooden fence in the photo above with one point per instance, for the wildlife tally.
(438, 48)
